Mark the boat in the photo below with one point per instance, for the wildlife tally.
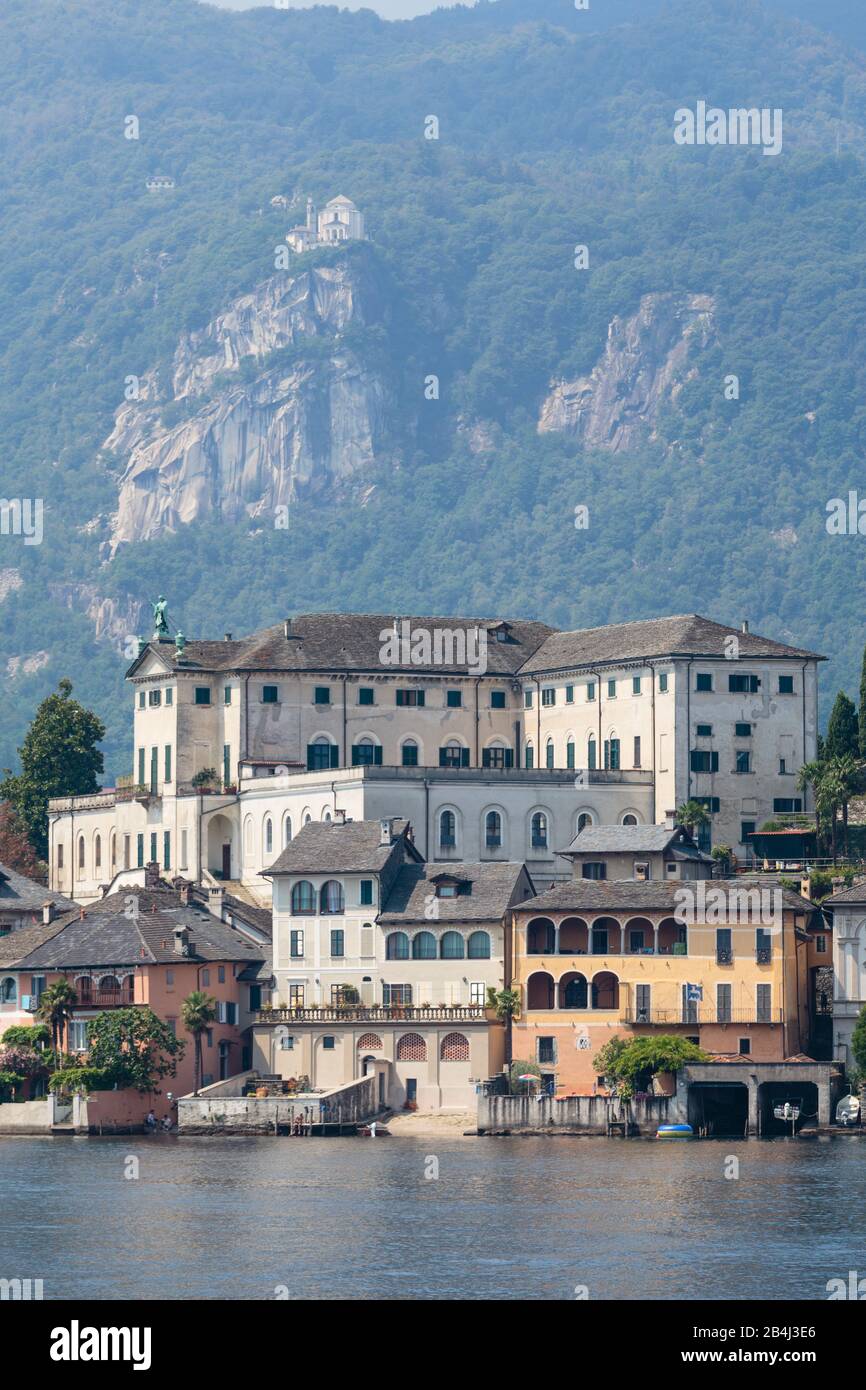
(848, 1111)
(674, 1132)
(788, 1110)
(373, 1130)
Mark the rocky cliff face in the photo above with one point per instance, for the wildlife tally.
(266, 400)
(645, 362)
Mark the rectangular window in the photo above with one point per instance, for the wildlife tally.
(296, 945)
(366, 695)
(127, 859)
(453, 699)
(169, 695)
(742, 731)
(744, 762)
(786, 685)
(747, 828)
(321, 756)
(611, 754)
(77, 1034)
(642, 1003)
(167, 763)
(724, 952)
(270, 694)
(744, 1046)
(397, 996)
(704, 731)
(763, 1001)
(477, 994)
(296, 996)
(723, 1003)
(546, 1050)
(663, 681)
(497, 757)
(221, 974)
(636, 762)
(287, 1042)
(453, 757)
(141, 699)
(366, 755)
(635, 685)
(569, 694)
(821, 945)
(166, 849)
(763, 946)
(410, 754)
(227, 695)
(635, 941)
(787, 803)
(703, 681)
(611, 690)
(595, 872)
(202, 695)
(139, 851)
(205, 977)
(599, 941)
(410, 697)
(548, 695)
(322, 695)
(527, 699)
(497, 699)
(153, 858)
(60, 856)
(711, 803)
(255, 998)
(154, 771)
(703, 761)
(745, 685)
(338, 938)
(590, 691)
(366, 899)
(154, 698)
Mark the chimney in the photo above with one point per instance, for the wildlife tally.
(745, 625)
(47, 913)
(215, 897)
(81, 915)
(182, 941)
(228, 637)
(183, 893)
(287, 628)
(339, 816)
(385, 832)
(670, 820)
(151, 875)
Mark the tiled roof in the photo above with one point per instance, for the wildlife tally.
(624, 839)
(107, 936)
(613, 895)
(324, 642)
(22, 894)
(493, 889)
(687, 634)
(855, 894)
(331, 847)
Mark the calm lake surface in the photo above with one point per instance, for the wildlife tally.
(357, 1219)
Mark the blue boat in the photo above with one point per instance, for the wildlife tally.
(674, 1132)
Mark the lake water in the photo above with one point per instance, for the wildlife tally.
(505, 1219)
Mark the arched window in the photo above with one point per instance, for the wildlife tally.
(8, 990)
(424, 946)
(411, 1048)
(539, 830)
(307, 818)
(81, 856)
(331, 898)
(287, 830)
(493, 830)
(109, 986)
(320, 754)
(455, 1048)
(583, 820)
(447, 830)
(269, 836)
(629, 820)
(451, 946)
(326, 817)
(397, 946)
(248, 837)
(97, 852)
(304, 898)
(128, 987)
(479, 946)
(113, 850)
(83, 986)
(591, 753)
(549, 755)
(369, 1042)
(453, 754)
(409, 753)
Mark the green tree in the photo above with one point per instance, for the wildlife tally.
(16, 851)
(36, 1035)
(692, 815)
(858, 1041)
(843, 735)
(134, 1047)
(59, 757)
(518, 1069)
(861, 723)
(198, 1012)
(635, 1063)
(55, 1009)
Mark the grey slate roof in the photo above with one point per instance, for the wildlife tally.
(495, 887)
(687, 634)
(106, 936)
(856, 894)
(629, 895)
(625, 839)
(325, 847)
(20, 894)
(324, 642)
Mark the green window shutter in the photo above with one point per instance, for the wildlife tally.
(141, 767)
(167, 776)
(139, 850)
(377, 755)
(509, 757)
(166, 849)
(464, 757)
(153, 854)
(569, 755)
(334, 755)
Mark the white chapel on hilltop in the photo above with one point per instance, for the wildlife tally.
(339, 220)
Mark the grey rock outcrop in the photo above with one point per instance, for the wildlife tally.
(266, 400)
(646, 360)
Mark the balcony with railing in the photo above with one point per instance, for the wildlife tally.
(385, 1013)
(104, 998)
(702, 1014)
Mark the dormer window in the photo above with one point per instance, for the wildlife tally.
(446, 890)
(501, 632)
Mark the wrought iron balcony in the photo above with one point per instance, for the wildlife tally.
(384, 1013)
(702, 1014)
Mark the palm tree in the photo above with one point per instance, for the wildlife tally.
(198, 1012)
(848, 778)
(810, 775)
(692, 815)
(56, 1004)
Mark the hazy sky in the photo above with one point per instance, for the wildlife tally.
(388, 9)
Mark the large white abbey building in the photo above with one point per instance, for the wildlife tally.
(497, 740)
(338, 221)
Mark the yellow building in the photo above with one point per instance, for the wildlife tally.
(724, 962)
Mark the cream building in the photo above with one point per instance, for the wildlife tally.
(338, 221)
(848, 911)
(498, 741)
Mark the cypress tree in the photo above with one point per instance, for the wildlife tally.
(843, 735)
